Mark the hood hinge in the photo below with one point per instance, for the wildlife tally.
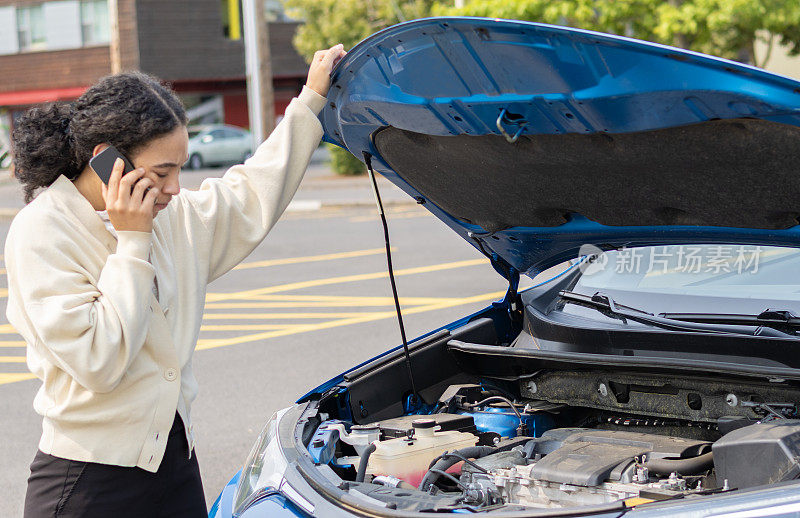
(512, 275)
(503, 268)
(509, 303)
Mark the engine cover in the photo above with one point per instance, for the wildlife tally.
(568, 467)
(582, 457)
(759, 454)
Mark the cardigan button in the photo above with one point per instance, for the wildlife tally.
(170, 374)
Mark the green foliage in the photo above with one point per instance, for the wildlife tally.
(328, 22)
(726, 28)
(344, 163)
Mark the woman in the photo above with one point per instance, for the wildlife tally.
(107, 285)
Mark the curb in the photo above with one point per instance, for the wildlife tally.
(8, 213)
(294, 206)
(5, 177)
(313, 205)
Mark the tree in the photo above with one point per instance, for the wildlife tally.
(328, 22)
(725, 28)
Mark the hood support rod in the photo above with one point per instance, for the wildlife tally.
(368, 162)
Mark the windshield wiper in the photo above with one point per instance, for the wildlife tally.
(752, 327)
(777, 318)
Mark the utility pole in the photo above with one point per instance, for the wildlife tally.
(258, 65)
(114, 43)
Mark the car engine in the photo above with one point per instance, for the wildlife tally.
(480, 449)
(571, 466)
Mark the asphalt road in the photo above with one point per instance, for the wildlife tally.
(311, 301)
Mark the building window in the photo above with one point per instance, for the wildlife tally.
(94, 22)
(273, 10)
(30, 27)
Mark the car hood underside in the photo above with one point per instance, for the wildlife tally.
(532, 140)
(700, 174)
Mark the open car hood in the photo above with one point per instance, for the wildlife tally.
(532, 140)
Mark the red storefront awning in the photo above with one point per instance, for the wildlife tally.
(28, 97)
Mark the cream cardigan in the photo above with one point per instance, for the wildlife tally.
(115, 363)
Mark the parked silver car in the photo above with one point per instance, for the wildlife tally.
(217, 144)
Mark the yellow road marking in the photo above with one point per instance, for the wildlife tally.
(271, 298)
(297, 260)
(310, 258)
(284, 296)
(248, 327)
(209, 343)
(633, 502)
(274, 316)
(278, 262)
(11, 377)
(370, 300)
(321, 302)
(216, 297)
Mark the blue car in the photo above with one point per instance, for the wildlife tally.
(650, 369)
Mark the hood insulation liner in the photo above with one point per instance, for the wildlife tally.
(725, 173)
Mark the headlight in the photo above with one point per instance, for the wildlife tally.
(264, 467)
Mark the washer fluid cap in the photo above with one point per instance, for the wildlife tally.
(424, 427)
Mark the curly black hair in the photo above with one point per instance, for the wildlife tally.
(125, 110)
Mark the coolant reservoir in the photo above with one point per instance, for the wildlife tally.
(408, 459)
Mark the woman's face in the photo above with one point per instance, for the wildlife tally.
(161, 159)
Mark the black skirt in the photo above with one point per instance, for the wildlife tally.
(67, 488)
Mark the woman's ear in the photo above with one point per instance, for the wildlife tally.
(99, 148)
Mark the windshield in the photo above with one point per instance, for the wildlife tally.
(194, 133)
(689, 277)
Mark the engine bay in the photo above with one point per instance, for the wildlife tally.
(483, 448)
(509, 418)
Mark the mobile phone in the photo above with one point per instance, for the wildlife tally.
(103, 163)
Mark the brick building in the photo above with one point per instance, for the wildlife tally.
(53, 50)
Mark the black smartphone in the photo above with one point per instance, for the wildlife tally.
(103, 163)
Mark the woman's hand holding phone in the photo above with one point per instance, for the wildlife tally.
(130, 199)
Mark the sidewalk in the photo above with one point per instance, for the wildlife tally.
(11, 196)
(320, 188)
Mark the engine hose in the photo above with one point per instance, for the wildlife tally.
(690, 466)
(497, 398)
(448, 461)
(362, 463)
